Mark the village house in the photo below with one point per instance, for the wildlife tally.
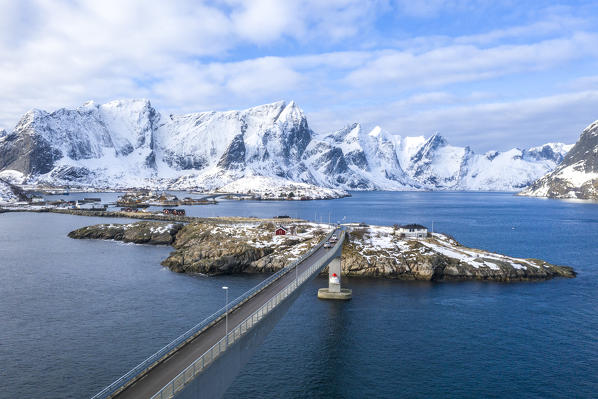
(281, 231)
(286, 230)
(176, 212)
(412, 231)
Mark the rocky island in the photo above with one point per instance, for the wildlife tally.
(377, 251)
(244, 245)
(155, 233)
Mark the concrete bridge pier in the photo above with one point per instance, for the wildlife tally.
(334, 290)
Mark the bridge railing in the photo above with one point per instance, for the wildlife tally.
(195, 368)
(143, 367)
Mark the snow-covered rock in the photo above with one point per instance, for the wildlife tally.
(374, 251)
(127, 143)
(439, 165)
(577, 175)
(353, 158)
(6, 193)
(13, 176)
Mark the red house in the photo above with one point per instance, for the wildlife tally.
(281, 231)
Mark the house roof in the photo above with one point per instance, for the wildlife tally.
(414, 226)
(281, 227)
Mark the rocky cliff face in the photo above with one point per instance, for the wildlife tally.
(127, 143)
(6, 193)
(239, 247)
(215, 247)
(26, 152)
(438, 165)
(377, 252)
(577, 175)
(225, 249)
(154, 233)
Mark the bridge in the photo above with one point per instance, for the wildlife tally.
(213, 196)
(204, 361)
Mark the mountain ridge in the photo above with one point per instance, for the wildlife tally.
(577, 175)
(128, 143)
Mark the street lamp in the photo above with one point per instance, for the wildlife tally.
(226, 314)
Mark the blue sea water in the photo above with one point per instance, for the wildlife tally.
(75, 315)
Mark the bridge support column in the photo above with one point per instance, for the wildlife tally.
(334, 290)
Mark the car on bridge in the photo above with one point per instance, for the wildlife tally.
(328, 244)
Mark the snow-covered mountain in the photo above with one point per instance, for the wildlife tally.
(355, 159)
(376, 160)
(127, 143)
(439, 165)
(577, 175)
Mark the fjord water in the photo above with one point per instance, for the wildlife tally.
(75, 315)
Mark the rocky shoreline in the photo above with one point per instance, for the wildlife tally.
(215, 247)
(153, 233)
(243, 245)
(154, 216)
(376, 251)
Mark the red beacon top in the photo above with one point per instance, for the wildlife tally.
(334, 279)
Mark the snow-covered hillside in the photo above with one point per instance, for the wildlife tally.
(376, 160)
(6, 194)
(127, 143)
(277, 188)
(577, 175)
(438, 165)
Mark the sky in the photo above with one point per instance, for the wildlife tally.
(488, 74)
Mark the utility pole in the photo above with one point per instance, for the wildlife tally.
(226, 315)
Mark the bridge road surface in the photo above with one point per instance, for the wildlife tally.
(164, 372)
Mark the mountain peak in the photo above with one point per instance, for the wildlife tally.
(591, 130)
(280, 105)
(134, 103)
(29, 118)
(291, 110)
(437, 141)
(375, 132)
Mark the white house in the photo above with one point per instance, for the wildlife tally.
(412, 231)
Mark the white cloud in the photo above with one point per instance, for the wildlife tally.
(263, 21)
(55, 54)
(331, 57)
(462, 63)
(431, 8)
(553, 25)
(195, 87)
